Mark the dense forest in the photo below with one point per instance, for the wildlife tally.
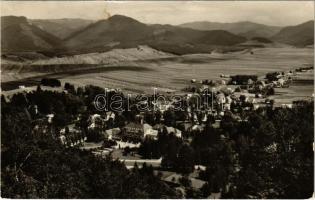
(38, 166)
(267, 154)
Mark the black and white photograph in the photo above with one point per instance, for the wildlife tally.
(157, 99)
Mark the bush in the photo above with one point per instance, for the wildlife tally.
(270, 91)
(50, 82)
(272, 76)
(243, 79)
(70, 88)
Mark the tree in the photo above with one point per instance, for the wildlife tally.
(60, 120)
(95, 135)
(228, 125)
(50, 82)
(64, 172)
(149, 149)
(149, 118)
(70, 88)
(169, 118)
(185, 159)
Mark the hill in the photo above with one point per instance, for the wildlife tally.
(61, 28)
(300, 35)
(106, 34)
(246, 28)
(124, 32)
(22, 35)
(18, 35)
(111, 57)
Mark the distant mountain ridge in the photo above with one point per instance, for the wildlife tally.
(245, 28)
(124, 32)
(85, 36)
(18, 35)
(61, 28)
(300, 35)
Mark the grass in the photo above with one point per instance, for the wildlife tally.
(175, 73)
(68, 71)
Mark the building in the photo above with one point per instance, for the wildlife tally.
(42, 128)
(96, 121)
(133, 131)
(197, 127)
(50, 118)
(113, 134)
(220, 98)
(176, 132)
(281, 82)
(138, 131)
(71, 135)
(186, 125)
(215, 195)
(150, 132)
(110, 115)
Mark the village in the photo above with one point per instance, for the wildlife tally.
(129, 135)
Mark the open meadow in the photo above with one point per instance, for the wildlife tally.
(174, 73)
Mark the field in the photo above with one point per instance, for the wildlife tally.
(175, 73)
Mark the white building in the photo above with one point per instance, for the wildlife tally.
(177, 132)
(149, 131)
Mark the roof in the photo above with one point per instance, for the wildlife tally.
(197, 127)
(134, 125)
(172, 130)
(217, 195)
(158, 126)
(187, 125)
(173, 178)
(151, 132)
(95, 116)
(146, 127)
(50, 115)
(197, 183)
(109, 115)
(72, 128)
(113, 131)
(200, 167)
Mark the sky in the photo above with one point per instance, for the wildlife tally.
(280, 13)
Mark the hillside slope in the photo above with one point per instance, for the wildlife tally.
(111, 57)
(18, 35)
(118, 31)
(124, 32)
(61, 28)
(300, 35)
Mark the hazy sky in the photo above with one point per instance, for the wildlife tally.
(166, 12)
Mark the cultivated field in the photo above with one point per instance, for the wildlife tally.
(174, 73)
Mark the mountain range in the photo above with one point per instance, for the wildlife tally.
(300, 35)
(77, 36)
(18, 35)
(61, 28)
(246, 28)
(124, 32)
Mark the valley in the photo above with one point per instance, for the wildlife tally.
(136, 71)
(157, 100)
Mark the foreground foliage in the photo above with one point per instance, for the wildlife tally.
(39, 167)
(266, 154)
